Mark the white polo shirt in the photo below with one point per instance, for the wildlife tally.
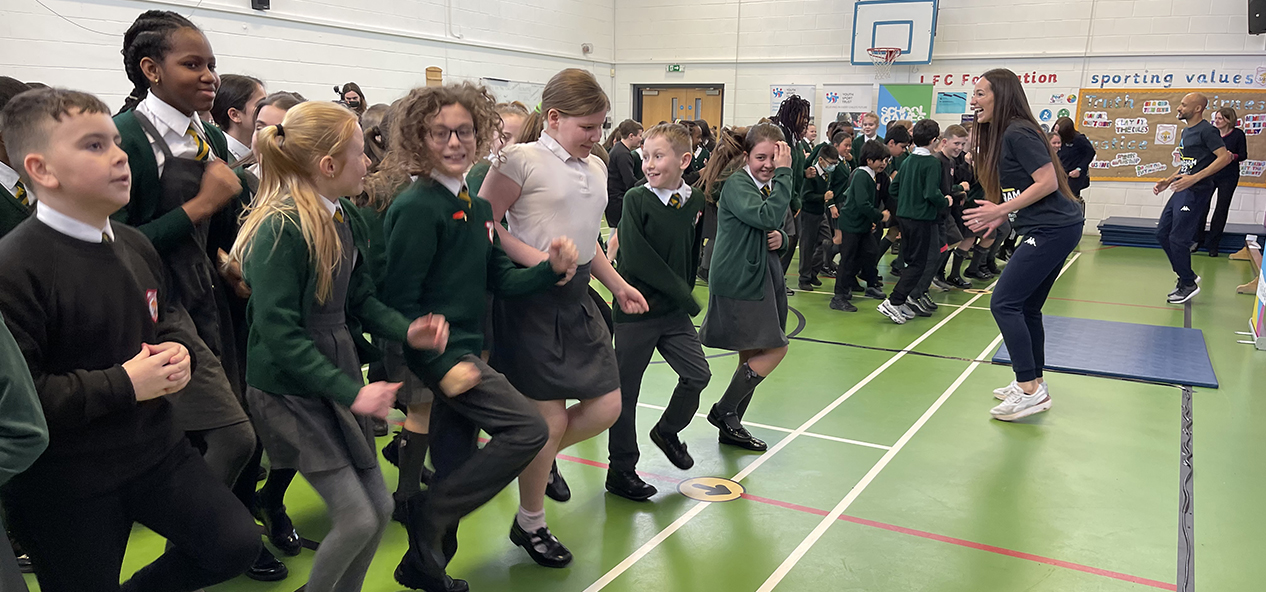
(561, 195)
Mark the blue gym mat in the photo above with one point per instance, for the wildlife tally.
(1171, 355)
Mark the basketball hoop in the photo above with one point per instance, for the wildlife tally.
(883, 58)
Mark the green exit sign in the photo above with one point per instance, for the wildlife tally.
(674, 68)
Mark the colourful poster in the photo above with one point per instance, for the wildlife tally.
(846, 102)
(951, 102)
(904, 101)
(779, 93)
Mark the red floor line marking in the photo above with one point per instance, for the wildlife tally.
(1116, 303)
(912, 532)
(1099, 249)
(971, 545)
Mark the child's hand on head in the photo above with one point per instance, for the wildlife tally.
(462, 377)
(375, 399)
(782, 155)
(429, 332)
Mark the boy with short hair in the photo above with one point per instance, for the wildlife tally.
(92, 317)
(17, 201)
(870, 131)
(658, 258)
(859, 214)
(814, 197)
(897, 141)
(919, 202)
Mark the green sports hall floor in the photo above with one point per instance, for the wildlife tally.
(930, 493)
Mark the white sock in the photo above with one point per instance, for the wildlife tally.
(531, 521)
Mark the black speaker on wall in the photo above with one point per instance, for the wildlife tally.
(260, 4)
(1256, 17)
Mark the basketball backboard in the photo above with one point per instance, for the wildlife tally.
(909, 25)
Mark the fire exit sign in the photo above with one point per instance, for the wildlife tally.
(674, 68)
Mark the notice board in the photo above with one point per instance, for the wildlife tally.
(1136, 132)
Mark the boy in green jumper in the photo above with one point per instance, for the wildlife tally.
(919, 200)
(443, 256)
(858, 216)
(658, 258)
(16, 200)
(816, 193)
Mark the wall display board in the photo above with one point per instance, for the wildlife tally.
(904, 101)
(779, 93)
(846, 102)
(528, 93)
(1136, 132)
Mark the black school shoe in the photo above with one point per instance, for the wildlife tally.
(815, 281)
(25, 565)
(281, 531)
(267, 568)
(628, 485)
(422, 567)
(557, 488)
(840, 303)
(734, 436)
(673, 448)
(541, 545)
(806, 287)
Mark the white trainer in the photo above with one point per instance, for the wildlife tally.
(1001, 393)
(1019, 405)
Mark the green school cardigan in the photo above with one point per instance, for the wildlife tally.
(280, 357)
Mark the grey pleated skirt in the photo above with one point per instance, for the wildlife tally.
(555, 345)
(738, 325)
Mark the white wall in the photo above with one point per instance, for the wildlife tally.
(310, 45)
(748, 45)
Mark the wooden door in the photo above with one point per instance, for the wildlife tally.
(670, 104)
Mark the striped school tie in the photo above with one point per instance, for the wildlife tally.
(19, 192)
(338, 215)
(204, 149)
(105, 238)
(765, 191)
(675, 201)
(464, 195)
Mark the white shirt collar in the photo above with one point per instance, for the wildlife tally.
(922, 151)
(869, 171)
(449, 183)
(171, 118)
(698, 151)
(70, 226)
(759, 185)
(666, 194)
(332, 206)
(549, 143)
(9, 179)
(237, 149)
(869, 138)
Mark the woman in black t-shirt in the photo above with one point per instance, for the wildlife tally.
(1023, 180)
(1226, 180)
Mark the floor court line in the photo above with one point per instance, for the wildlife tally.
(787, 430)
(816, 534)
(690, 514)
(909, 531)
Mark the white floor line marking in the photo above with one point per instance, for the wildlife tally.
(787, 430)
(857, 490)
(650, 545)
(861, 486)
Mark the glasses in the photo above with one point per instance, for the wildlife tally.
(441, 135)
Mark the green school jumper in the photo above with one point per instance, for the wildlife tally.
(856, 204)
(918, 188)
(142, 210)
(658, 253)
(443, 256)
(12, 212)
(744, 218)
(476, 175)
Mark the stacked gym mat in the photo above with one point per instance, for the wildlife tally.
(1141, 232)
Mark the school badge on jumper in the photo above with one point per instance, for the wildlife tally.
(151, 298)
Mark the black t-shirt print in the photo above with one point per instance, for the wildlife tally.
(1197, 146)
(1024, 151)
